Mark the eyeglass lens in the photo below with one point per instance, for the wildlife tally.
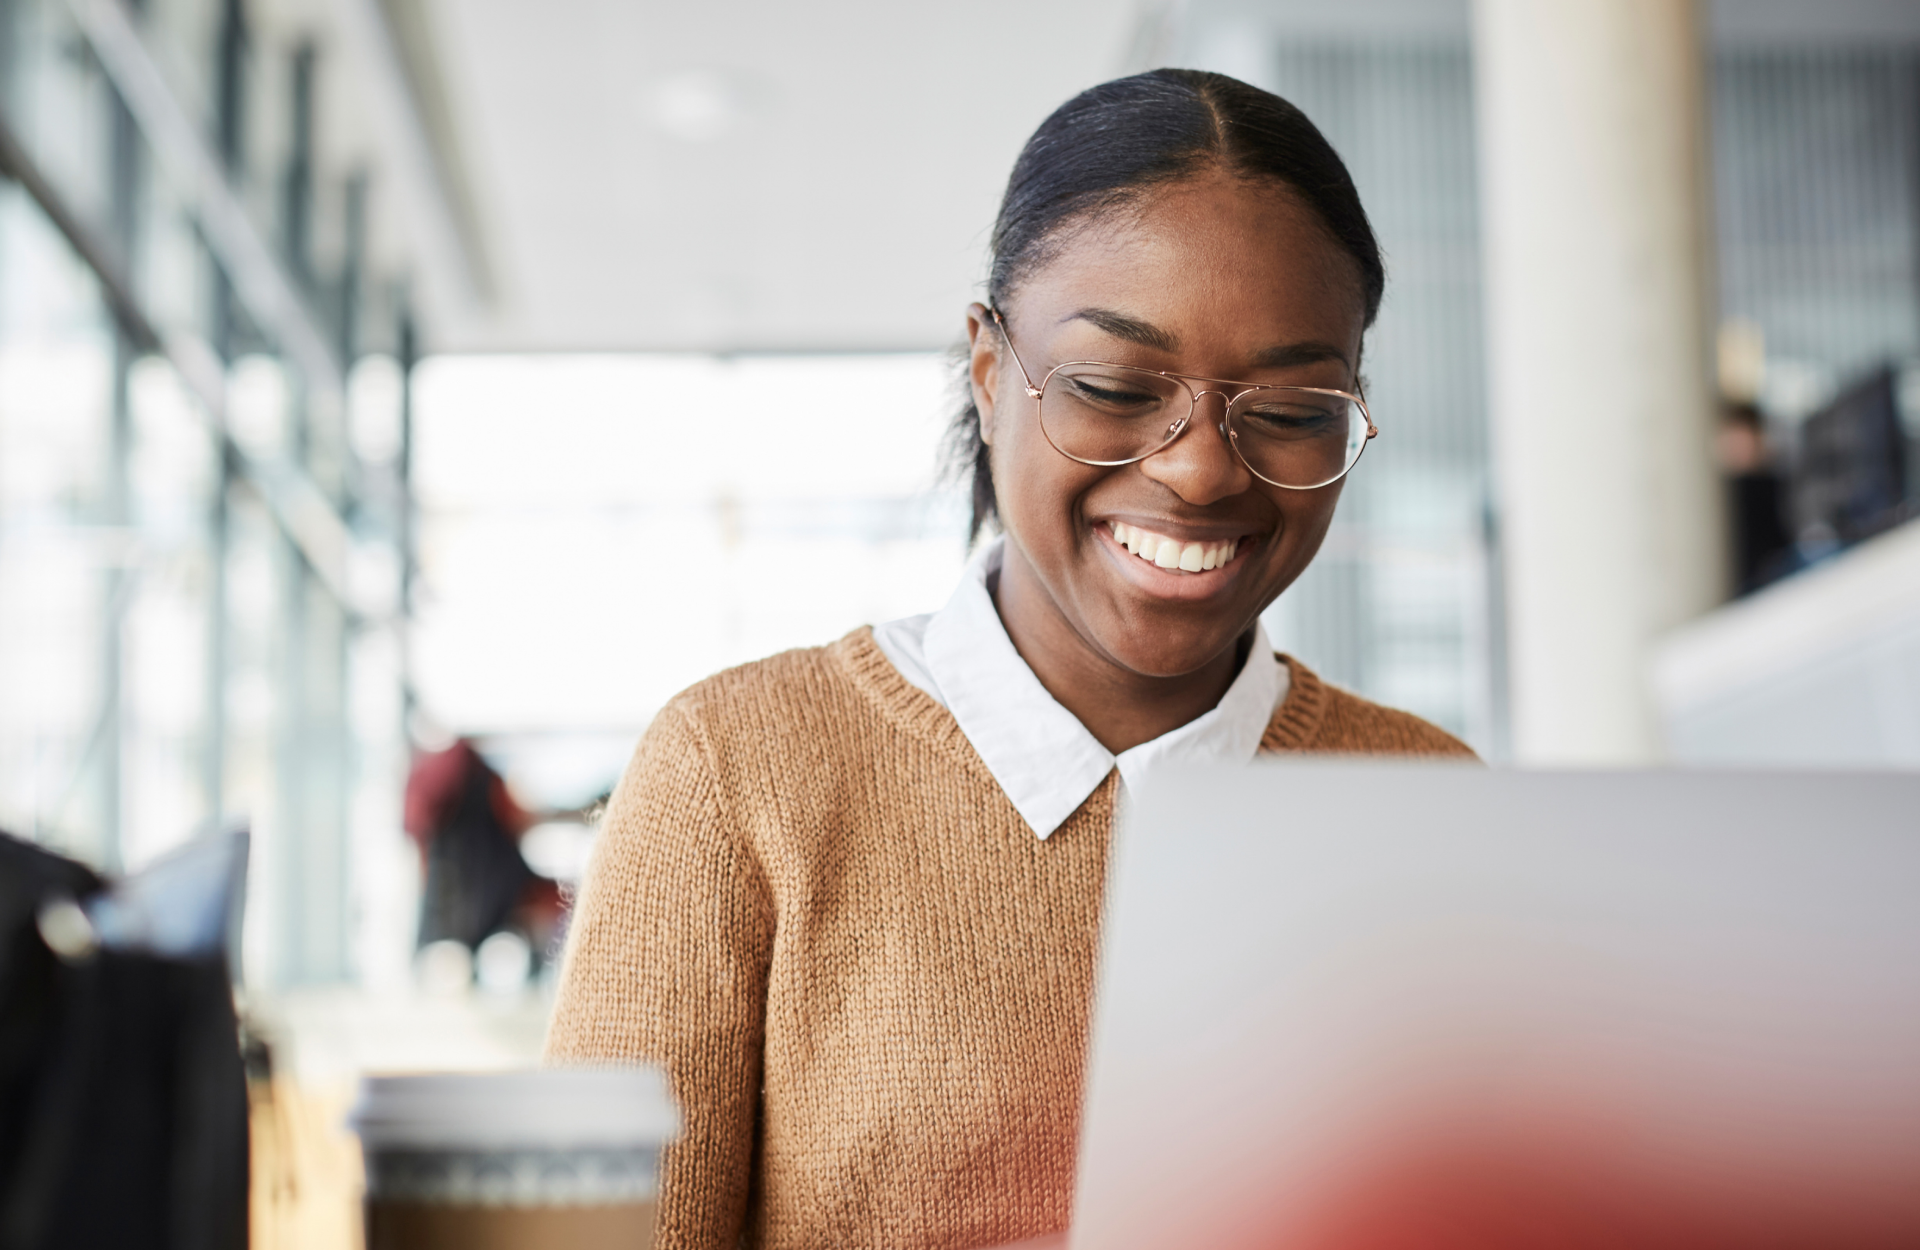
(1110, 414)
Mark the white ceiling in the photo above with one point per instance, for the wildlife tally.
(741, 175)
(750, 175)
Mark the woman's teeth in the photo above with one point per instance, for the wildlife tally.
(1171, 553)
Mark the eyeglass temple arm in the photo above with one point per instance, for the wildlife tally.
(1007, 337)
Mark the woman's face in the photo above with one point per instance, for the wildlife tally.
(1216, 277)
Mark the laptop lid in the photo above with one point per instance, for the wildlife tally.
(1355, 1005)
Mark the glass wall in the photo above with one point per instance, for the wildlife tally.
(1817, 181)
(199, 577)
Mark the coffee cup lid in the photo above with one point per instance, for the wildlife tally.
(538, 1108)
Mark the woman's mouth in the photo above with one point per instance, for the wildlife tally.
(1172, 553)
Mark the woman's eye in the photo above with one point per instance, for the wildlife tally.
(1289, 420)
(1111, 394)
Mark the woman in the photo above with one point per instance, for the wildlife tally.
(848, 897)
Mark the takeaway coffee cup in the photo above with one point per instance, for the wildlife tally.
(514, 1160)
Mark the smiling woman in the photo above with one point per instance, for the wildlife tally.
(849, 897)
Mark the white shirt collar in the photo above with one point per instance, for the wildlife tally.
(1041, 755)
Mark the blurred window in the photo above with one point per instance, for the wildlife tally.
(599, 532)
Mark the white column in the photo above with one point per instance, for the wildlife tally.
(1594, 193)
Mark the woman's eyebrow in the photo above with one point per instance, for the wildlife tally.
(1145, 333)
(1131, 329)
(1291, 354)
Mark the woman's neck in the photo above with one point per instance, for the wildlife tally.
(1119, 707)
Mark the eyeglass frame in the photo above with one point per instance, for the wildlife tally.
(1183, 424)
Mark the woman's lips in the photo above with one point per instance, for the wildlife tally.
(1172, 553)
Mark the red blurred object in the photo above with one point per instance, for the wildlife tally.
(1520, 1191)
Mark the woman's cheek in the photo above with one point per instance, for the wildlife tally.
(1305, 517)
(1040, 490)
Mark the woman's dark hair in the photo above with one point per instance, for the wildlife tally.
(1109, 145)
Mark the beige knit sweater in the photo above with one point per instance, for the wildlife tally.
(867, 979)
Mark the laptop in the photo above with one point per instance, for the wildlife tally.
(1362, 1006)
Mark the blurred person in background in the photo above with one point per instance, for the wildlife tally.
(1756, 495)
(468, 828)
(849, 897)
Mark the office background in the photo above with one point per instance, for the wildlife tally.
(379, 373)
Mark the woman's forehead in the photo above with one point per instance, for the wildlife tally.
(1200, 261)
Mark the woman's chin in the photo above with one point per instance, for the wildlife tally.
(1169, 658)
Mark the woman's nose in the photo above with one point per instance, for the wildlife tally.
(1201, 466)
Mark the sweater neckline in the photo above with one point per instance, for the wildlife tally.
(1293, 726)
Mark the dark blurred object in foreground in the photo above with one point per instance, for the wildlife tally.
(468, 828)
(123, 1101)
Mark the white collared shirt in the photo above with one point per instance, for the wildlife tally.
(1039, 752)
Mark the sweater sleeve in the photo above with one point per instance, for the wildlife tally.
(666, 963)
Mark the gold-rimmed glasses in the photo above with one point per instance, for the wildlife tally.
(1295, 437)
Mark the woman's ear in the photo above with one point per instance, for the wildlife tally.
(983, 366)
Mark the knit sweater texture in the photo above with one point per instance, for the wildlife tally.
(867, 980)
